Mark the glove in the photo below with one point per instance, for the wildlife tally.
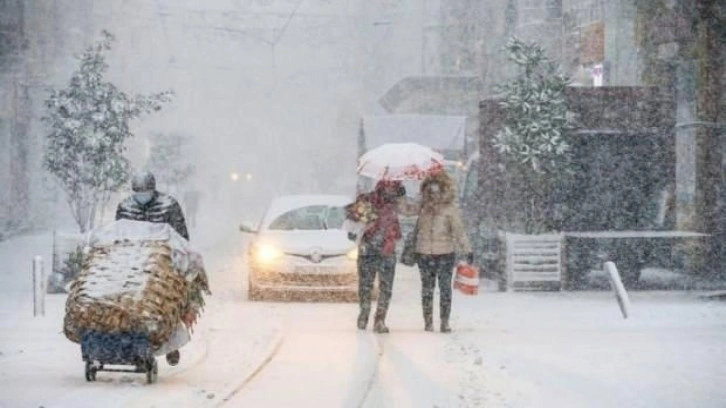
(470, 258)
(352, 236)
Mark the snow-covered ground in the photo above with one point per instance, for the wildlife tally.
(565, 349)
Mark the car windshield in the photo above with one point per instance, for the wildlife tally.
(313, 217)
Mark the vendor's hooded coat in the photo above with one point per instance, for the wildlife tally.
(162, 208)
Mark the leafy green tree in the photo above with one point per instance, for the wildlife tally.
(88, 124)
(532, 145)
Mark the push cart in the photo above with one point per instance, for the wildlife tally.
(100, 350)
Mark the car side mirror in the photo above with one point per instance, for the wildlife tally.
(247, 229)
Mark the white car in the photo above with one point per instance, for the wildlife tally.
(300, 246)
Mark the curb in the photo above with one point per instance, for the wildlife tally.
(718, 295)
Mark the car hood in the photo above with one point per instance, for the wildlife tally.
(326, 242)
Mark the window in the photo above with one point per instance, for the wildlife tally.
(335, 217)
(313, 217)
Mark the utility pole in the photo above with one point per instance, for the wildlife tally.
(19, 114)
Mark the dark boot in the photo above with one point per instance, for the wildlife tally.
(173, 358)
(428, 319)
(363, 319)
(379, 323)
(445, 328)
(445, 313)
(380, 327)
(429, 324)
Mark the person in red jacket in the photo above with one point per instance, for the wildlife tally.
(377, 251)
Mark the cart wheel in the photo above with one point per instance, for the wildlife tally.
(90, 372)
(152, 371)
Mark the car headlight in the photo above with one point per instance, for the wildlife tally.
(266, 253)
(352, 254)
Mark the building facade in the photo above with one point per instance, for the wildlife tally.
(37, 43)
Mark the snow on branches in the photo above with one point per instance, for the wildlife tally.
(88, 123)
(531, 143)
(536, 110)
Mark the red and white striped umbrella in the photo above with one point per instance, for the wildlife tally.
(400, 161)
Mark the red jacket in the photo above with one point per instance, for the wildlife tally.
(387, 221)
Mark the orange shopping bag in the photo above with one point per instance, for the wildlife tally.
(467, 279)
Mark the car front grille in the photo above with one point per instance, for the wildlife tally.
(302, 279)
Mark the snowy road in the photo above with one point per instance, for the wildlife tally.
(325, 362)
(508, 350)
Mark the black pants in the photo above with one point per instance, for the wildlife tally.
(368, 266)
(433, 267)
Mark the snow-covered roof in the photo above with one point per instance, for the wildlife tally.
(440, 132)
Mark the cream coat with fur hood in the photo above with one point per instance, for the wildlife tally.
(440, 228)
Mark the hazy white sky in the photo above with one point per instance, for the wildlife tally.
(270, 87)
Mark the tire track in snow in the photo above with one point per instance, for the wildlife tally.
(374, 375)
(213, 375)
(260, 367)
(412, 371)
(340, 367)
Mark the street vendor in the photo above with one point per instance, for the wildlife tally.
(148, 204)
